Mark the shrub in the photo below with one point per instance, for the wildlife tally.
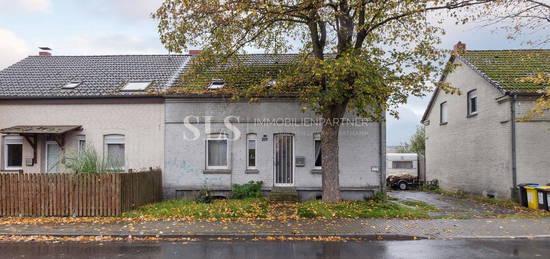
(88, 161)
(379, 197)
(251, 189)
(203, 197)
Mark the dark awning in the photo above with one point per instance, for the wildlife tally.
(31, 133)
(41, 129)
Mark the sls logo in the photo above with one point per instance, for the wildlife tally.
(194, 123)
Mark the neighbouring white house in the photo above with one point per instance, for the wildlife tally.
(401, 163)
(51, 107)
(477, 142)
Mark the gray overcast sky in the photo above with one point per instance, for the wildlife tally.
(75, 27)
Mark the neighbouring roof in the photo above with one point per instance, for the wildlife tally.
(238, 74)
(98, 76)
(504, 69)
(40, 129)
(105, 76)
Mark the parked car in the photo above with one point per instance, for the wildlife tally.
(402, 181)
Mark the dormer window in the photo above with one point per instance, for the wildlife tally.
(272, 83)
(136, 86)
(216, 84)
(71, 85)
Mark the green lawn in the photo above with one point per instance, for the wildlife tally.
(261, 208)
(218, 209)
(420, 205)
(358, 209)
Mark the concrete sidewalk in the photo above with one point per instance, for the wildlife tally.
(387, 229)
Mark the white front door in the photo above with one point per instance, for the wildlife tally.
(53, 155)
(283, 159)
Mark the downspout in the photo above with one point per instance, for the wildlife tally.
(513, 135)
(382, 153)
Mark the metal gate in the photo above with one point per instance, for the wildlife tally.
(283, 152)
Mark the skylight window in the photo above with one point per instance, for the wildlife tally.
(272, 83)
(71, 85)
(136, 86)
(216, 84)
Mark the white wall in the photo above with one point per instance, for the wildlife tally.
(185, 159)
(532, 145)
(141, 123)
(470, 154)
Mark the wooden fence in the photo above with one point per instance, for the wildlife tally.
(23, 194)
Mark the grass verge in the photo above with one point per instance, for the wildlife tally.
(261, 208)
(421, 205)
(358, 209)
(218, 209)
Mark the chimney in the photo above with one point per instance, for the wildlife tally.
(194, 51)
(459, 47)
(44, 51)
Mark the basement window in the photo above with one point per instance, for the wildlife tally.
(71, 85)
(216, 84)
(133, 86)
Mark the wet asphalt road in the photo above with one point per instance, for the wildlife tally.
(287, 250)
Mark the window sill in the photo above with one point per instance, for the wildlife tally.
(12, 170)
(252, 171)
(443, 123)
(216, 171)
(316, 171)
(471, 115)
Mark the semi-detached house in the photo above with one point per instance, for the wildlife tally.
(479, 141)
(52, 107)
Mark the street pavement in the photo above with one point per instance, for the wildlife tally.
(387, 229)
(277, 249)
(451, 206)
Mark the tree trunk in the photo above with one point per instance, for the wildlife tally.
(331, 171)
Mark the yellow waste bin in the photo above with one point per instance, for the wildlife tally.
(532, 197)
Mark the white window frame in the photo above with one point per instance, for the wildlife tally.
(395, 162)
(443, 113)
(114, 139)
(218, 136)
(317, 137)
(12, 140)
(472, 95)
(71, 85)
(251, 137)
(81, 138)
(132, 86)
(50, 142)
(216, 84)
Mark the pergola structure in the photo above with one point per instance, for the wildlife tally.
(31, 133)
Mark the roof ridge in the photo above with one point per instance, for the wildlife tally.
(113, 55)
(487, 50)
(179, 55)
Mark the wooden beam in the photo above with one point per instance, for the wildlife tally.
(60, 140)
(33, 141)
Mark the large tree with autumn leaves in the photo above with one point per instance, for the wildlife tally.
(361, 56)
